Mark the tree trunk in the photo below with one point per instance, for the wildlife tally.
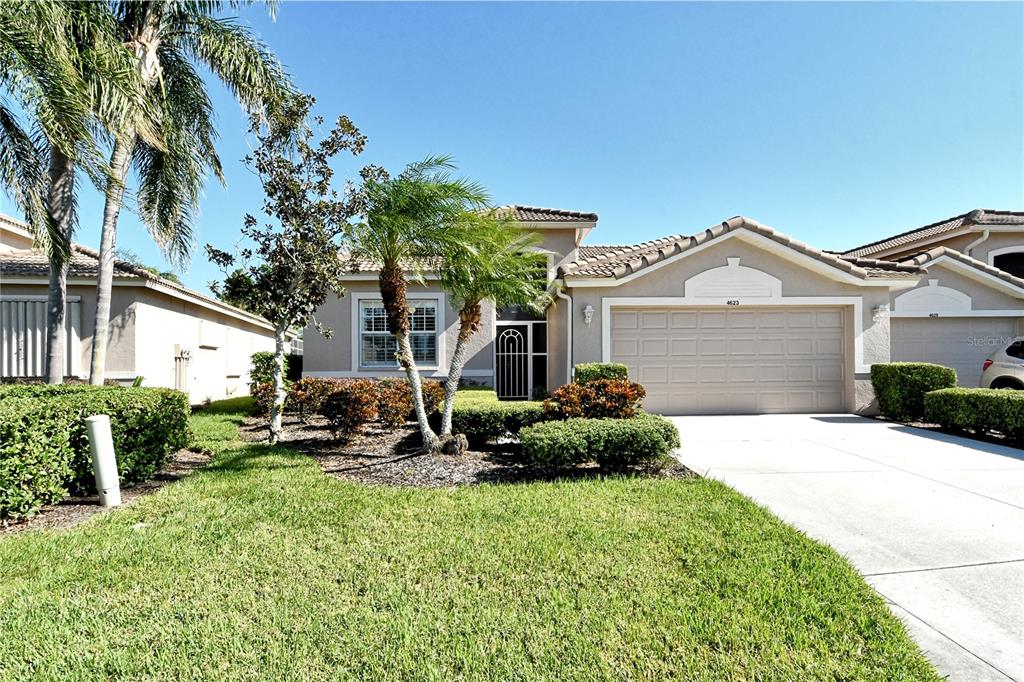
(393, 295)
(119, 162)
(61, 204)
(277, 408)
(451, 384)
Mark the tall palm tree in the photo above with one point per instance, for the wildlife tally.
(65, 67)
(500, 263)
(170, 39)
(412, 218)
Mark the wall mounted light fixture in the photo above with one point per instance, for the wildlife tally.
(879, 312)
(588, 314)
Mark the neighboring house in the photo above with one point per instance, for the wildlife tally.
(738, 318)
(159, 330)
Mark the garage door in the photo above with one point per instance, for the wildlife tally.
(962, 343)
(722, 361)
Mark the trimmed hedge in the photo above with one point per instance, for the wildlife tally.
(352, 404)
(44, 447)
(615, 444)
(590, 371)
(482, 420)
(901, 386)
(981, 410)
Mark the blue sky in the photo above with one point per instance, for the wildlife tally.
(835, 123)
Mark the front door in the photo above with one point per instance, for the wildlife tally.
(512, 362)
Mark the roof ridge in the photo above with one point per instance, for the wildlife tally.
(975, 216)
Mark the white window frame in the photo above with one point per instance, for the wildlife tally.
(357, 334)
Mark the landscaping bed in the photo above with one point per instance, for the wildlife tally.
(260, 567)
(392, 457)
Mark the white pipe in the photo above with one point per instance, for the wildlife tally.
(104, 463)
(568, 335)
(970, 247)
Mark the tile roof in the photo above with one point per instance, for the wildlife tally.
(978, 216)
(537, 214)
(619, 261)
(362, 265)
(85, 264)
(922, 260)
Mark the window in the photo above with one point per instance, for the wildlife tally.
(1016, 349)
(377, 346)
(1012, 263)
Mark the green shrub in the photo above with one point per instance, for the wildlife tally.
(42, 424)
(590, 371)
(261, 369)
(615, 444)
(352, 404)
(482, 419)
(981, 410)
(35, 458)
(901, 386)
(596, 399)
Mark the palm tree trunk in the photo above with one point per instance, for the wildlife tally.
(61, 204)
(451, 384)
(119, 162)
(277, 408)
(408, 363)
(393, 295)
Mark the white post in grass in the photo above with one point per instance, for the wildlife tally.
(104, 464)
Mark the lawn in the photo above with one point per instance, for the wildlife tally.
(262, 567)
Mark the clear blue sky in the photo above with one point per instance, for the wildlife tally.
(835, 123)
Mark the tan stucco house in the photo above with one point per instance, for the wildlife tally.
(159, 330)
(737, 318)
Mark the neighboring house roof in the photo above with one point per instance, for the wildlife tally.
(979, 216)
(84, 264)
(620, 261)
(362, 265)
(537, 214)
(926, 257)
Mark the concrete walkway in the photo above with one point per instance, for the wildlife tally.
(934, 522)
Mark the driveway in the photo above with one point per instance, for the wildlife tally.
(934, 522)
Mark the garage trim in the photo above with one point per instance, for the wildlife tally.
(608, 302)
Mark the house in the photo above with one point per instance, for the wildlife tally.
(738, 318)
(159, 330)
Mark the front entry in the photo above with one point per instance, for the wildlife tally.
(520, 359)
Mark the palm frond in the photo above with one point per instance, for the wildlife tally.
(23, 174)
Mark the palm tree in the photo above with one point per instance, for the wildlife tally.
(412, 219)
(170, 39)
(501, 264)
(66, 68)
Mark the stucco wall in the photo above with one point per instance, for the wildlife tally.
(334, 356)
(797, 280)
(997, 240)
(220, 346)
(983, 296)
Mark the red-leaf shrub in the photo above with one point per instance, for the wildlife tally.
(307, 395)
(394, 402)
(433, 396)
(352, 404)
(611, 398)
(263, 394)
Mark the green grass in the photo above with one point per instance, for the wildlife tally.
(261, 567)
(245, 404)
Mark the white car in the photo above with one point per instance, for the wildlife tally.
(1005, 367)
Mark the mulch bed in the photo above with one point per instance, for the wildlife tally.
(74, 510)
(381, 457)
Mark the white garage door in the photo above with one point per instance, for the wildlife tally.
(962, 343)
(722, 361)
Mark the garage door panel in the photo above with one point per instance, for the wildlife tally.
(962, 343)
(734, 361)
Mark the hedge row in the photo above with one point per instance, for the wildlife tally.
(901, 386)
(981, 410)
(615, 444)
(44, 447)
(483, 420)
(591, 371)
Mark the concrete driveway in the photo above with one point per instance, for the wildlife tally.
(934, 522)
